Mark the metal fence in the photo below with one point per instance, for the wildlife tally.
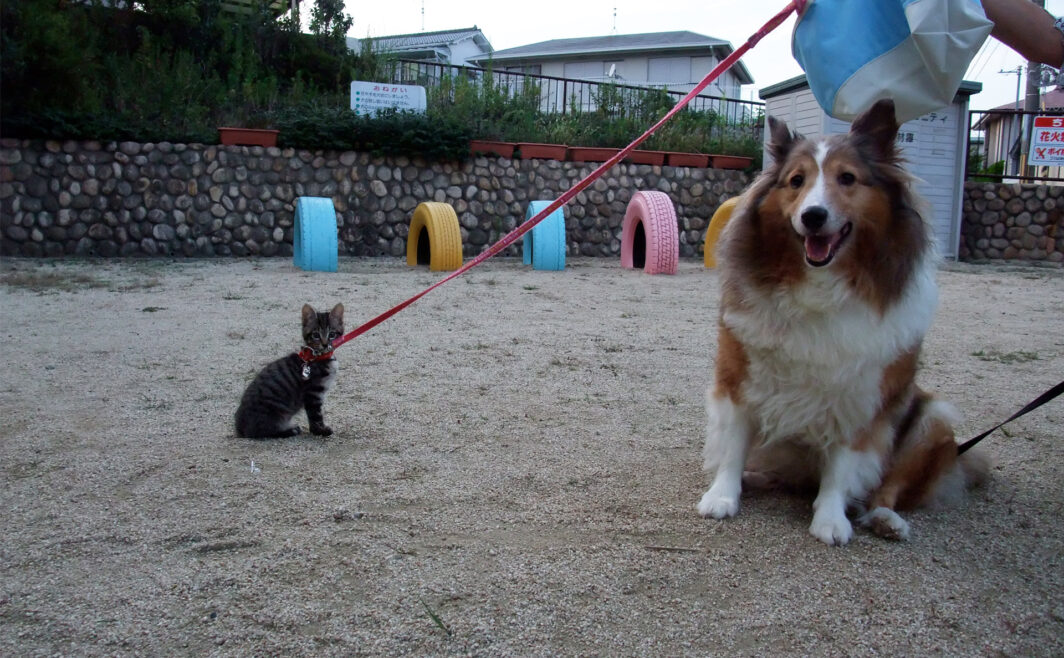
(567, 95)
(998, 142)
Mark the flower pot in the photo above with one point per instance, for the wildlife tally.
(729, 161)
(687, 160)
(545, 151)
(248, 136)
(488, 147)
(646, 157)
(590, 154)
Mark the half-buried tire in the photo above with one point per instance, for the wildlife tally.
(650, 237)
(716, 225)
(544, 246)
(434, 239)
(314, 240)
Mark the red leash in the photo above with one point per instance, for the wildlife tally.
(512, 236)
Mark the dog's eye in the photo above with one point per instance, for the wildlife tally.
(797, 180)
(847, 179)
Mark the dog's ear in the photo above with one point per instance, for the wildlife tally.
(781, 140)
(878, 128)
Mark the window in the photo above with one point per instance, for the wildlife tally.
(669, 70)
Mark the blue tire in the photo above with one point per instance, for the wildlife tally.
(314, 244)
(544, 245)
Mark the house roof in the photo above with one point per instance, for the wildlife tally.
(648, 43)
(967, 87)
(420, 42)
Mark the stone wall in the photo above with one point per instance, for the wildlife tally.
(132, 199)
(1013, 222)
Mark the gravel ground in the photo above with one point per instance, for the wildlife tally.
(514, 472)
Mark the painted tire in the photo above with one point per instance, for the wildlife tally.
(650, 237)
(314, 241)
(716, 225)
(544, 246)
(434, 238)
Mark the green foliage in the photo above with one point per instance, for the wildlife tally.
(996, 170)
(334, 127)
(176, 70)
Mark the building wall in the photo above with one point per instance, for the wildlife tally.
(636, 71)
(131, 199)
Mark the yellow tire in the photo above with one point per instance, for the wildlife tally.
(716, 225)
(434, 238)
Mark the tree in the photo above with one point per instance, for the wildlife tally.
(327, 19)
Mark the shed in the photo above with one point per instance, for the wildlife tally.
(933, 146)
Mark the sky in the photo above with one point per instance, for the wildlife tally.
(511, 24)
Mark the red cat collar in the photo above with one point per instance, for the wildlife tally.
(308, 355)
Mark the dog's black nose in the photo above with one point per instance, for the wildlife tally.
(814, 217)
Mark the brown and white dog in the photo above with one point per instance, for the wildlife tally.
(828, 287)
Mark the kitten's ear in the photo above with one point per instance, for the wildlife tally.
(337, 314)
(309, 315)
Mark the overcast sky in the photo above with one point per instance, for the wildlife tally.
(510, 24)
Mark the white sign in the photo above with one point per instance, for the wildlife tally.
(369, 98)
(1047, 141)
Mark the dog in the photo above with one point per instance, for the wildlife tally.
(828, 287)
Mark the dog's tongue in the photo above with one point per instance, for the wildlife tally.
(818, 247)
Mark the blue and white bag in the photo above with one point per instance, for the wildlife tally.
(855, 52)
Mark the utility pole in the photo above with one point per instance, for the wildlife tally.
(1031, 102)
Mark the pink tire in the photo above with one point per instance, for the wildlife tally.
(650, 236)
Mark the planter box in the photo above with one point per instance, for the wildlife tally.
(487, 147)
(591, 154)
(729, 161)
(545, 151)
(687, 160)
(248, 136)
(646, 157)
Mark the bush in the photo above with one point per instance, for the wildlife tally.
(390, 133)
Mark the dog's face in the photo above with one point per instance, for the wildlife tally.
(833, 192)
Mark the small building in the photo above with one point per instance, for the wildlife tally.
(1002, 130)
(457, 47)
(933, 146)
(676, 61)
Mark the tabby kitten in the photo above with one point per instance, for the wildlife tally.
(278, 392)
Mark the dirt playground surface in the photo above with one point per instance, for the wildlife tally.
(514, 472)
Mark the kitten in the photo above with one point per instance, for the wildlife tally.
(278, 392)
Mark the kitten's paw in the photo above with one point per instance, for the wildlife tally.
(886, 523)
(321, 430)
(291, 431)
(713, 505)
(834, 529)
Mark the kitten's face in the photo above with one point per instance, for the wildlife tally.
(321, 329)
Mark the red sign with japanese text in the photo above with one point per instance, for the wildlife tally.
(1047, 141)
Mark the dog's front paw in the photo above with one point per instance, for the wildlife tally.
(714, 505)
(886, 523)
(833, 529)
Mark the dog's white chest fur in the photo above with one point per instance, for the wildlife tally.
(816, 355)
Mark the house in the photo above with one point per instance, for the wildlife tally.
(1002, 129)
(933, 146)
(457, 47)
(675, 61)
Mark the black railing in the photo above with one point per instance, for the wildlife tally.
(566, 95)
(998, 143)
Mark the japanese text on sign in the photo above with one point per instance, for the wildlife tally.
(1047, 141)
(369, 98)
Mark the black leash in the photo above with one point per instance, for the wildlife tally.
(1031, 406)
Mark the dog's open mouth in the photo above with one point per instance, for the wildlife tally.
(821, 249)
